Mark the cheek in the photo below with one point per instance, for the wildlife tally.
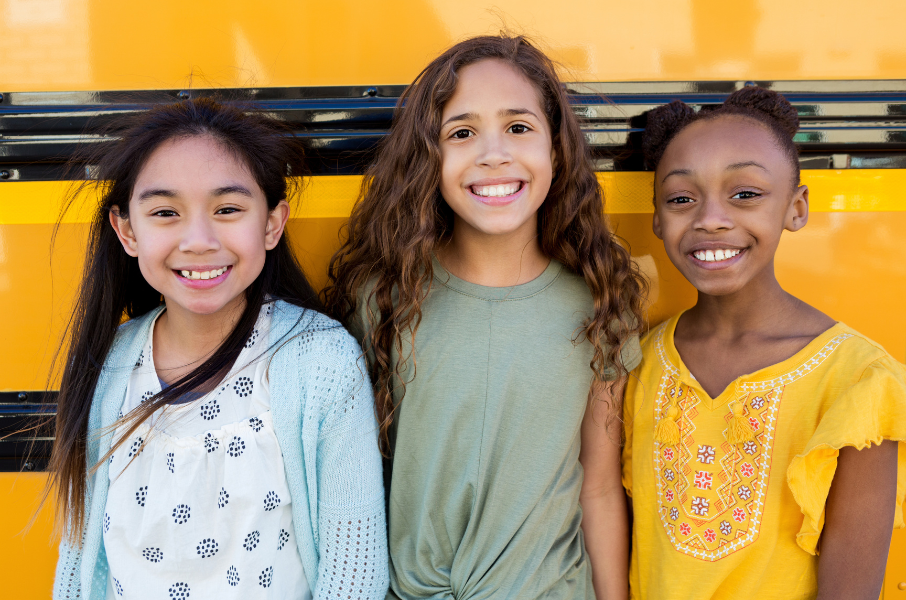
(543, 166)
(153, 245)
(249, 244)
(450, 171)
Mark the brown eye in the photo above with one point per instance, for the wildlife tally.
(519, 128)
(746, 195)
(461, 134)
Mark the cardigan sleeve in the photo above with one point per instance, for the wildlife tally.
(352, 543)
(67, 582)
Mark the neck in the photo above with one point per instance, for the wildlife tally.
(493, 260)
(183, 339)
(761, 307)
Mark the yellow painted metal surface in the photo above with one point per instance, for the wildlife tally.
(27, 556)
(857, 190)
(895, 582)
(845, 262)
(848, 261)
(110, 44)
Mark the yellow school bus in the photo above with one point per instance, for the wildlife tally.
(335, 69)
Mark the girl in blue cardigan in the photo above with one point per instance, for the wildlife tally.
(222, 441)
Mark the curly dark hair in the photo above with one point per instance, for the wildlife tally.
(765, 106)
(400, 218)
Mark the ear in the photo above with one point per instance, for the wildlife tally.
(276, 222)
(797, 214)
(123, 229)
(656, 225)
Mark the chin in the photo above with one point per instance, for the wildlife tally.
(714, 288)
(206, 307)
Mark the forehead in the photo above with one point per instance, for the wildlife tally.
(714, 144)
(197, 158)
(491, 84)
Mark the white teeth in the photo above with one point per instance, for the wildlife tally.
(203, 274)
(496, 191)
(715, 255)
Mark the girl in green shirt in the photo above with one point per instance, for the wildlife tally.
(494, 304)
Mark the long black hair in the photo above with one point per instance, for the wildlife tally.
(113, 288)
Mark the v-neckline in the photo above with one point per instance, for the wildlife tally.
(764, 374)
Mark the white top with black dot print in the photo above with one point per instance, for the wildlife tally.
(198, 503)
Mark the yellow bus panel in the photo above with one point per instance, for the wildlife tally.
(55, 45)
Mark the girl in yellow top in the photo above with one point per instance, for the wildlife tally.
(759, 430)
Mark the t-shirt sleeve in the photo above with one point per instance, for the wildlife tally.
(630, 357)
(360, 323)
(865, 414)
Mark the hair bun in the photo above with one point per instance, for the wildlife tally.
(663, 123)
(769, 103)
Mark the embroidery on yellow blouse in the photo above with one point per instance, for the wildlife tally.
(711, 492)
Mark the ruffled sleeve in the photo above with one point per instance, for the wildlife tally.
(868, 412)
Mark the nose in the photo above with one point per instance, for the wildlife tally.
(199, 236)
(712, 216)
(494, 151)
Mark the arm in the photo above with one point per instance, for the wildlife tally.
(604, 512)
(352, 541)
(67, 582)
(859, 523)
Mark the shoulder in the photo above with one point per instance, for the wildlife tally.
(652, 342)
(137, 325)
(308, 335)
(854, 355)
(130, 338)
(568, 281)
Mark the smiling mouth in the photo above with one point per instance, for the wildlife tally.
(716, 255)
(196, 275)
(497, 191)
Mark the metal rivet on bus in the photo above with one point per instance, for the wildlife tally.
(183, 95)
(29, 466)
(902, 586)
(370, 92)
(4, 174)
(23, 397)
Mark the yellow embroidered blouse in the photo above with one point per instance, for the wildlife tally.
(722, 521)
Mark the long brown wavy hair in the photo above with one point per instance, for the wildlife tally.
(400, 218)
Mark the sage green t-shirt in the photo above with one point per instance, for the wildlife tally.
(485, 480)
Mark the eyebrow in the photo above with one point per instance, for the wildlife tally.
(733, 167)
(515, 112)
(743, 165)
(221, 191)
(503, 112)
(156, 192)
(676, 172)
(232, 189)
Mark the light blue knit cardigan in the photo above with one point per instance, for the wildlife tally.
(323, 414)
